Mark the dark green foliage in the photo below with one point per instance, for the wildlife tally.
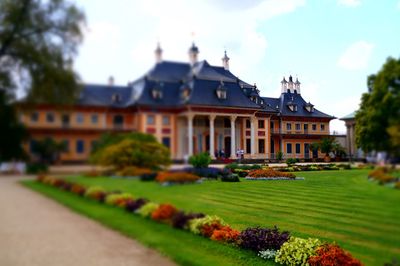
(378, 119)
(36, 168)
(148, 177)
(39, 39)
(234, 166)
(291, 161)
(279, 155)
(258, 238)
(201, 160)
(230, 178)
(49, 150)
(12, 131)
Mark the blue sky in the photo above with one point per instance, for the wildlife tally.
(331, 45)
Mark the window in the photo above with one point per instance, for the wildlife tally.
(298, 126)
(50, 117)
(118, 121)
(261, 123)
(221, 91)
(34, 116)
(165, 120)
(322, 127)
(166, 141)
(156, 93)
(151, 120)
(289, 148)
(271, 124)
(305, 128)
(314, 127)
(297, 148)
(261, 146)
(80, 146)
(65, 120)
(79, 118)
(248, 124)
(248, 146)
(94, 118)
(288, 126)
(116, 98)
(227, 123)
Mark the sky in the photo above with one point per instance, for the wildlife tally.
(330, 45)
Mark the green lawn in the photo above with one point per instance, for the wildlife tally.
(341, 206)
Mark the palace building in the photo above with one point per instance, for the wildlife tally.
(190, 107)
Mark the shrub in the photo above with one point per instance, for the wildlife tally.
(225, 234)
(58, 182)
(134, 149)
(148, 176)
(177, 177)
(201, 160)
(382, 175)
(268, 254)
(197, 226)
(147, 209)
(332, 254)
(119, 200)
(180, 219)
(291, 161)
(164, 212)
(279, 155)
(240, 172)
(209, 172)
(230, 178)
(232, 166)
(269, 173)
(36, 168)
(96, 192)
(78, 189)
(133, 171)
(133, 205)
(257, 239)
(297, 250)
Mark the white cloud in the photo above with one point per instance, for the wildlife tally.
(356, 56)
(349, 3)
(216, 26)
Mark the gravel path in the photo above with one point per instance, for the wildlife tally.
(35, 230)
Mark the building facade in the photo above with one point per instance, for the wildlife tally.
(190, 107)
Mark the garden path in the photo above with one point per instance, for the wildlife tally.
(35, 230)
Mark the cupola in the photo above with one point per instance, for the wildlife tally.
(193, 54)
(225, 61)
(158, 53)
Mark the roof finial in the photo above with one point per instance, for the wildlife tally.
(158, 53)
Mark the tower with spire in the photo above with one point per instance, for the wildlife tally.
(225, 61)
(158, 53)
(193, 54)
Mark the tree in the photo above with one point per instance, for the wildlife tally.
(38, 41)
(12, 132)
(49, 150)
(327, 145)
(379, 113)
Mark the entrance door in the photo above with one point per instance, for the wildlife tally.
(208, 144)
(306, 151)
(227, 144)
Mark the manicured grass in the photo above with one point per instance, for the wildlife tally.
(341, 206)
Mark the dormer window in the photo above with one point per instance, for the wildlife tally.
(309, 107)
(116, 98)
(221, 91)
(156, 93)
(292, 107)
(185, 92)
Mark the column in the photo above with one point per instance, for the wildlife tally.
(267, 138)
(212, 135)
(233, 137)
(252, 137)
(190, 134)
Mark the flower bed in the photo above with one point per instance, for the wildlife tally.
(268, 243)
(269, 173)
(385, 176)
(176, 177)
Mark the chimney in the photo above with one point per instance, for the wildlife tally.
(225, 61)
(193, 53)
(158, 53)
(111, 81)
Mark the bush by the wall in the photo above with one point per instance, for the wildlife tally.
(36, 168)
(201, 160)
(230, 178)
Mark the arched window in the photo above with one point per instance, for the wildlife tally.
(118, 122)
